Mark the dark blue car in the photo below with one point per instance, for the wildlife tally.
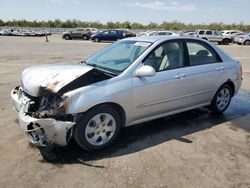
(108, 35)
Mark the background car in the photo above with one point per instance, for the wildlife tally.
(10, 32)
(28, 33)
(92, 30)
(237, 37)
(212, 36)
(229, 34)
(80, 33)
(128, 33)
(42, 33)
(108, 35)
(164, 33)
(189, 33)
(244, 39)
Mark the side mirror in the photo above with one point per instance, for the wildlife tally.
(145, 71)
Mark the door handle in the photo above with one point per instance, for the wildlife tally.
(220, 68)
(180, 76)
(177, 76)
(183, 75)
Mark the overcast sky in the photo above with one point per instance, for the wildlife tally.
(143, 11)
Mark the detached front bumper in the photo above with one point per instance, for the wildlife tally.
(41, 132)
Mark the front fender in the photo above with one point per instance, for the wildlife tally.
(82, 99)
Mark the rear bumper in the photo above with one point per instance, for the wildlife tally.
(40, 132)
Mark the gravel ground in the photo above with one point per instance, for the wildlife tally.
(191, 149)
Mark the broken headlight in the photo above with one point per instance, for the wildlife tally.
(50, 106)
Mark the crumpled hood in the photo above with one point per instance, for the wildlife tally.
(51, 78)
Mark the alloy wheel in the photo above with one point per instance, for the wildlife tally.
(100, 129)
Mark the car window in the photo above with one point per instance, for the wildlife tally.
(209, 32)
(167, 56)
(118, 56)
(113, 32)
(201, 32)
(200, 54)
(105, 32)
(217, 33)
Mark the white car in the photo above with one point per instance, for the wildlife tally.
(230, 34)
(168, 33)
(212, 36)
(129, 82)
(244, 39)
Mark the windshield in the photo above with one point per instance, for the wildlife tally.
(118, 56)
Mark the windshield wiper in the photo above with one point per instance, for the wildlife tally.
(93, 65)
(104, 69)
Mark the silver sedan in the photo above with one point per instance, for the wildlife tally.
(129, 82)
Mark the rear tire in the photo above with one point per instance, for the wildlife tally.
(221, 99)
(226, 41)
(97, 128)
(84, 37)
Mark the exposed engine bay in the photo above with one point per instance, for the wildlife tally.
(47, 106)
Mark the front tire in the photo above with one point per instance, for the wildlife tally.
(247, 42)
(98, 128)
(50, 153)
(97, 39)
(221, 99)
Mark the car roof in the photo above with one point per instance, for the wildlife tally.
(156, 38)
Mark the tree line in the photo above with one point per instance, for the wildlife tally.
(174, 25)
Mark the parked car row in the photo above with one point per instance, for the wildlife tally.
(221, 37)
(97, 36)
(24, 33)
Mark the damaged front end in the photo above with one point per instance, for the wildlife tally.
(43, 118)
(42, 104)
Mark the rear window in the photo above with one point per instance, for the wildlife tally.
(199, 54)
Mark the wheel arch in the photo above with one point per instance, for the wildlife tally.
(114, 105)
(231, 84)
(66, 35)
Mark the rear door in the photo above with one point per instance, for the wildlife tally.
(205, 72)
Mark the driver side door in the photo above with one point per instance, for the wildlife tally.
(167, 90)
